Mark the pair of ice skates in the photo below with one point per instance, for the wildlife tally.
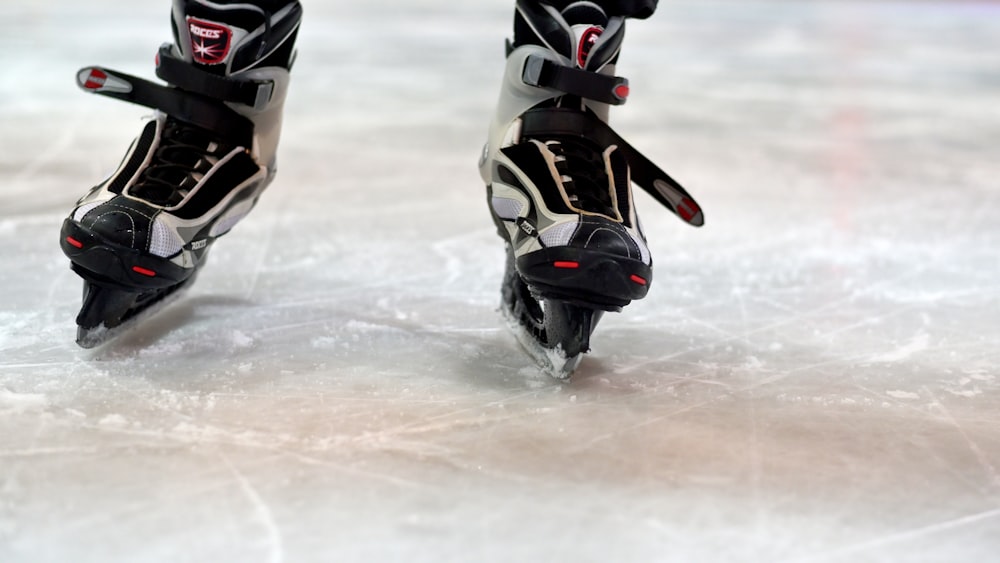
(558, 177)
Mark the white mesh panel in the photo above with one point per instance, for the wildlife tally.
(559, 235)
(164, 241)
(507, 208)
(84, 209)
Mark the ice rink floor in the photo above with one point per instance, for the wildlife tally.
(814, 376)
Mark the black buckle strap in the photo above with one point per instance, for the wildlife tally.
(545, 73)
(640, 9)
(253, 93)
(546, 122)
(186, 106)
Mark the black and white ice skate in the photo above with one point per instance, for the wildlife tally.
(559, 183)
(199, 166)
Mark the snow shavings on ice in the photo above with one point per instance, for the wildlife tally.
(919, 343)
(20, 403)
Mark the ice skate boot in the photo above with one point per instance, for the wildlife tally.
(197, 168)
(559, 182)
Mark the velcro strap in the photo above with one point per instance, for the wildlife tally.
(544, 123)
(186, 106)
(253, 93)
(545, 73)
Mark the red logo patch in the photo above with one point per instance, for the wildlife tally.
(210, 42)
(587, 41)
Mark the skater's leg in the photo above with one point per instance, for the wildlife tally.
(558, 177)
(199, 164)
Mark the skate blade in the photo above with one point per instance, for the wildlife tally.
(90, 338)
(552, 362)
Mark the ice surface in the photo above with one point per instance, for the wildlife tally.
(812, 378)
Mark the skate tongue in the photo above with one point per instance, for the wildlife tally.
(587, 20)
(583, 174)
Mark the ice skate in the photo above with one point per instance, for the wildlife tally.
(559, 183)
(198, 167)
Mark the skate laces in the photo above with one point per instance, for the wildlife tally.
(186, 153)
(583, 172)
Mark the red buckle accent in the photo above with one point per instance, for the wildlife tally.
(688, 209)
(96, 79)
